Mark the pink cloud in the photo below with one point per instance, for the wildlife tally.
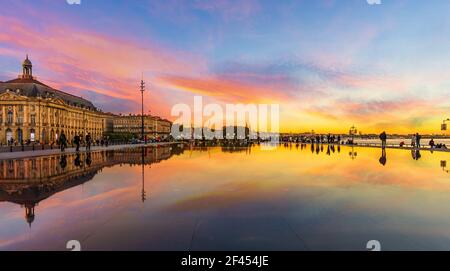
(82, 60)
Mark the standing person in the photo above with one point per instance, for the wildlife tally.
(77, 142)
(62, 141)
(383, 138)
(413, 141)
(88, 142)
(418, 138)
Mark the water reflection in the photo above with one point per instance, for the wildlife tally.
(29, 181)
(227, 197)
(444, 166)
(383, 158)
(416, 154)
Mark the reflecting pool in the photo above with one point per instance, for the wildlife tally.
(214, 198)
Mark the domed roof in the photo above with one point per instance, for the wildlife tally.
(27, 62)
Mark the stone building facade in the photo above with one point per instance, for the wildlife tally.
(154, 127)
(31, 111)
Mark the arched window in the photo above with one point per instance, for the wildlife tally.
(10, 117)
(9, 135)
(19, 135)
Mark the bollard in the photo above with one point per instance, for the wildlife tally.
(23, 147)
(10, 149)
(33, 147)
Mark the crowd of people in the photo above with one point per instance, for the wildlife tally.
(79, 140)
(416, 140)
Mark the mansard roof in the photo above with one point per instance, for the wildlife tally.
(30, 87)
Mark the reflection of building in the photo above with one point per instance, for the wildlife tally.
(29, 181)
(154, 127)
(33, 111)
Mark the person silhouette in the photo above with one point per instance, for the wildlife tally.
(416, 154)
(78, 160)
(383, 138)
(88, 159)
(383, 158)
(63, 162)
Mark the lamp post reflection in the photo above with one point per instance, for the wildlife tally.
(29, 181)
(444, 166)
(143, 193)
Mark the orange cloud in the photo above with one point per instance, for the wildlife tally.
(224, 89)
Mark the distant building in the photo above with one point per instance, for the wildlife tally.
(154, 127)
(31, 111)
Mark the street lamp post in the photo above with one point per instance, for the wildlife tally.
(142, 112)
(444, 125)
(353, 132)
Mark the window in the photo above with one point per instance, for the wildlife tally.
(20, 108)
(33, 119)
(20, 118)
(10, 117)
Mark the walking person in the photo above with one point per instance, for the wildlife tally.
(77, 141)
(383, 138)
(62, 141)
(88, 142)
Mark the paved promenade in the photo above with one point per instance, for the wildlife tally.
(37, 153)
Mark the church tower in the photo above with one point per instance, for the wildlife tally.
(27, 67)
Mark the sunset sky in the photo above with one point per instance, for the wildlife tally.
(328, 63)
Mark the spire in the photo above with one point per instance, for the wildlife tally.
(27, 67)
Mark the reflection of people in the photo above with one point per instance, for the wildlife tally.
(78, 160)
(383, 158)
(416, 154)
(88, 159)
(63, 161)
